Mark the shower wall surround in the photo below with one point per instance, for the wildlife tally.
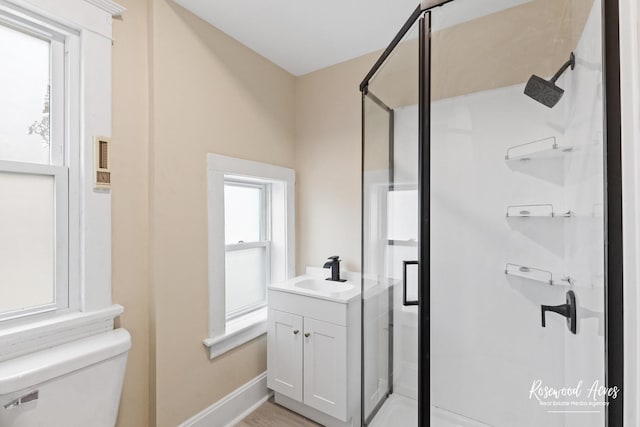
(488, 353)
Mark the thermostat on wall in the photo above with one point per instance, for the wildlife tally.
(102, 177)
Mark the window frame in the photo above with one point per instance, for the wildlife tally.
(228, 333)
(263, 242)
(64, 57)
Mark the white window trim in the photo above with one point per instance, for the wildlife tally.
(240, 330)
(26, 338)
(224, 334)
(88, 114)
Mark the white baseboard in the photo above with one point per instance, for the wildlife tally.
(235, 406)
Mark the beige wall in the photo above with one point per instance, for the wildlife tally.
(181, 89)
(328, 157)
(130, 214)
(210, 94)
(505, 48)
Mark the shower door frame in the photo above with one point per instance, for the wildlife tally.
(613, 233)
(390, 324)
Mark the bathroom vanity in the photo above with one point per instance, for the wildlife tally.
(314, 347)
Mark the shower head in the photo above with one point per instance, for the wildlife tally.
(545, 91)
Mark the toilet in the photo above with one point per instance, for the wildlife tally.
(77, 384)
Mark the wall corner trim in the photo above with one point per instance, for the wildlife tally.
(108, 6)
(235, 406)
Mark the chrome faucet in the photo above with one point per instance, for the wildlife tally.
(334, 265)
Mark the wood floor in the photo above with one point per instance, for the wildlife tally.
(272, 415)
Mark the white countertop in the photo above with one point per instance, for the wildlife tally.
(315, 277)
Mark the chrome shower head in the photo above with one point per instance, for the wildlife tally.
(545, 91)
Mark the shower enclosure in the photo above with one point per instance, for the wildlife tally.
(491, 218)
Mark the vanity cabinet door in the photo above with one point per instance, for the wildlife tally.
(284, 354)
(325, 367)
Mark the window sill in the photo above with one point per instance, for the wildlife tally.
(29, 337)
(238, 331)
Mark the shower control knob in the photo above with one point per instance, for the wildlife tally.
(307, 335)
(567, 310)
(296, 332)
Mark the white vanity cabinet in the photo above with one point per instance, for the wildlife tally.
(313, 356)
(325, 367)
(285, 353)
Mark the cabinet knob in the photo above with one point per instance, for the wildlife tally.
(307, 335)
(296, 332)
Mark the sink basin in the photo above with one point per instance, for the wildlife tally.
(323, 285)
(314, 285)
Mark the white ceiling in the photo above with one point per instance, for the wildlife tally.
(305, 35)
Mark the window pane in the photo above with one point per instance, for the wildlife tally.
(24, 99)
(242, 213)
(26, 241)
(246, 278)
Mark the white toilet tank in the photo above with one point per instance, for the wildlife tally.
(72, 385)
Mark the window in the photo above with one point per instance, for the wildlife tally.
(251, 244)
(247, 246)
(34, 176)
(55, 234)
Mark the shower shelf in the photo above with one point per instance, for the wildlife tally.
(536, 274)
(541, 149)
(535, 211)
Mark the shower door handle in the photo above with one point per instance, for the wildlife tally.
(404, 283)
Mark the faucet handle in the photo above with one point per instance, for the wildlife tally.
(335, 257)
(567, 310)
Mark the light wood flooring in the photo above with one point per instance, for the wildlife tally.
(271, 415)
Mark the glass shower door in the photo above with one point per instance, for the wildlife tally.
(390, 240)
(484, 274)
(376, 288)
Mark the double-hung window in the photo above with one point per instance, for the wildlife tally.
(247, 230)
(55, 212)
(34, 171)
(251, 233)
